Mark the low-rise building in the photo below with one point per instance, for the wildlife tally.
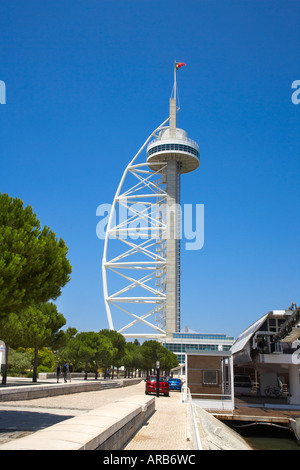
(270, 348)
(183, 342)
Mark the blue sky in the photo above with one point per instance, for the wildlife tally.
(86, 83)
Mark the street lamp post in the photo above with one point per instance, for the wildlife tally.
(157, 378)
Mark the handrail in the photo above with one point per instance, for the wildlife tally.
(191, 415)
(169, 140)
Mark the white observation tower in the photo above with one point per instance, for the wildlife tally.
(143, 270)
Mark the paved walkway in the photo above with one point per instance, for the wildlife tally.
(19, 418)
(166, 429)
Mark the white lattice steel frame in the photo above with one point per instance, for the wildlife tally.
(149, 268)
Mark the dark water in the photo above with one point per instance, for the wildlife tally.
(267, 437)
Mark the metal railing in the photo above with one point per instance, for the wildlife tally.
(191, 424)
(176, 139)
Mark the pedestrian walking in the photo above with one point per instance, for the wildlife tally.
(58, 373)
(65, 371)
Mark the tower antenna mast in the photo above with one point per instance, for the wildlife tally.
(177, 66)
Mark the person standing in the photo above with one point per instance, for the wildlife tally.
(65, 371)
(58, 373)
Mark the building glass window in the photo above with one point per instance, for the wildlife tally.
(274, 324)
(181, 147)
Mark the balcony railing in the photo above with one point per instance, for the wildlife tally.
(185, 140)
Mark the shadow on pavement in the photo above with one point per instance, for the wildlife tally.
(28, 421)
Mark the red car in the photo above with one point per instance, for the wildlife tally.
(151, 382)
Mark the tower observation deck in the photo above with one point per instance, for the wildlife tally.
(170, 153)
(180, 148)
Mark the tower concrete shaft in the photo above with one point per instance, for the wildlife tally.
(171, 251)
(172, 232)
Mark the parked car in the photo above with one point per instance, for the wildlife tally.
(151, 385)
(175, 384)
(242, 384)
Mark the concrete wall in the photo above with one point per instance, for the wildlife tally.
(108, 427)
(49, 390)
(215, 435)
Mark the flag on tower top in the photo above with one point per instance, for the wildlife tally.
(178, 65)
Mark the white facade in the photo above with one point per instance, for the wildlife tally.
(271, 346)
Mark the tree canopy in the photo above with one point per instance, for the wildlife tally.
(33, 263)
(38, 327)
(89, 346)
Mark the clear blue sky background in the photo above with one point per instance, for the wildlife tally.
(87, 81)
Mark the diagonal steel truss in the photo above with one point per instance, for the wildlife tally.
(138, 243)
